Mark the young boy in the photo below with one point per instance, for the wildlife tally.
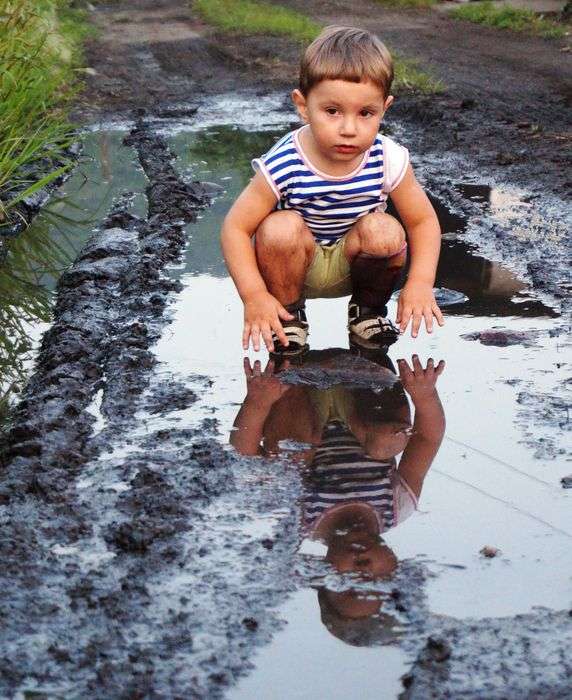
(316, 209)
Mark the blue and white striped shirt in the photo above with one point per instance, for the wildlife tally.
(330, 204)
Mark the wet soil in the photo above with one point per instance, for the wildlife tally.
(146, 558)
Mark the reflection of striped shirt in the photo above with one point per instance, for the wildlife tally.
(329, 204)
(342, 473)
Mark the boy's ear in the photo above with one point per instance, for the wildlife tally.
(388, 102)
(300, 103)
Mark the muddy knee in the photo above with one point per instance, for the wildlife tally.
(380, 235)
(280, 232)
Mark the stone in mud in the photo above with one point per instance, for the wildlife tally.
(566, 481)
(503, 337)
(438, 649)
(449, 297)
(489, 552)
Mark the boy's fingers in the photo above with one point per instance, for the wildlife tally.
(440, 367)
(245, 336)
(406, 315)
(404, 369)
(428, 320)
(257, 369)
(438, 315)
(415, 324)
(277, 326)
(430, 364)
(284, 315)
(267, 336)
(247, 367)
(269, 369)
(417, 366)
(255, 335)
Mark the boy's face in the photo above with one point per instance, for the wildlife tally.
(344, 117)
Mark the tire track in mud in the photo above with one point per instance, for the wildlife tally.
(119, 579)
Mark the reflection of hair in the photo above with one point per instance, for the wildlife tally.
(372, 630)
(346, 53)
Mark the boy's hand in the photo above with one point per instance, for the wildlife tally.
(262, 315)
(417, 302)
(420, 383)
(264, 388)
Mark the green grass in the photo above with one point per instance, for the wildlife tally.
(505, 17)
(253, 17)
(39, 51)
(32, 258)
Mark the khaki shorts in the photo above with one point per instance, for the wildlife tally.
(329, 272)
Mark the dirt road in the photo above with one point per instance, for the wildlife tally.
(142, 558)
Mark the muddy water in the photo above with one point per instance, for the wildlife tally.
(485, 486)
(494, 480)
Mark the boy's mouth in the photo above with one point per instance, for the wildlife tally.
(341, 148)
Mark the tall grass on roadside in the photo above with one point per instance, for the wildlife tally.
(38, 46)
(32, 259)
(506, 17)
(254, 17)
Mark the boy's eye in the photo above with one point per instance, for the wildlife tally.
(366, 113)
(331, 110)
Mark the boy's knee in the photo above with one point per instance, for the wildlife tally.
(380, 234)
(281, 230)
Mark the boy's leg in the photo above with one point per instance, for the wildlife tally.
(376, 250)
(285, 249)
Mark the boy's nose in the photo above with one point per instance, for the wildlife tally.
(348, 127)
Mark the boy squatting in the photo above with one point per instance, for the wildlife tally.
(316, 204)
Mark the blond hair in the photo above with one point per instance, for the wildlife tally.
(346, 53)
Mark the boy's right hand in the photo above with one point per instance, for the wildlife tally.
(262, 315)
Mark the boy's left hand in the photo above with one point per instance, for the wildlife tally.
(417, 302)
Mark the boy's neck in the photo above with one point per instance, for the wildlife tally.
(325, 165)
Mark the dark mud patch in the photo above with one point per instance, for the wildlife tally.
(336, 367)
(503, 337)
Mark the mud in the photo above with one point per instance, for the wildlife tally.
(143, 557)
(518, 657)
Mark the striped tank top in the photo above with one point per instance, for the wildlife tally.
(341, 473)
(329, 204)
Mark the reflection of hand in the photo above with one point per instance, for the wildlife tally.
(420, 383)
(263, 387)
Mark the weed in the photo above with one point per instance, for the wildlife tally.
(506, 17)
(39, 47)
(254, 17)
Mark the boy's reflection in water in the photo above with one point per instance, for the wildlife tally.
(354, 488)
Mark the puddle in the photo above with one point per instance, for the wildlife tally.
(484, 487)
(36, 259)
(479, 485)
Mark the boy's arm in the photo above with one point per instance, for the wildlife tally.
(429, 422)
(262, 311)
(416, 300)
